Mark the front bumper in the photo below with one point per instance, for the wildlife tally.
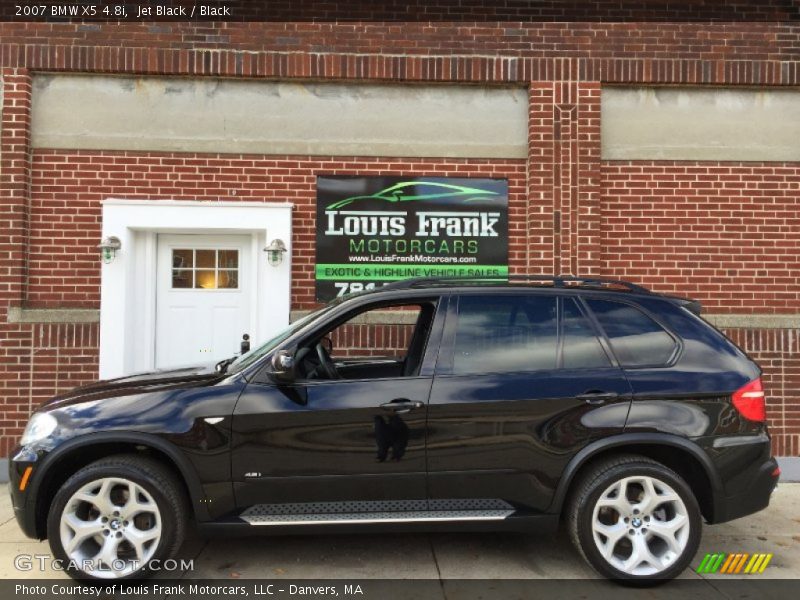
(24, 501)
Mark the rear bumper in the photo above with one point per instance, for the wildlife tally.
(753, 499)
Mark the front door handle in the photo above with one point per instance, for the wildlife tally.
(597, 396)
(401, 406)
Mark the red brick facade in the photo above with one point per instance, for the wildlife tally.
(726, 233)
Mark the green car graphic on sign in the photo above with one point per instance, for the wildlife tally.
(444, 193)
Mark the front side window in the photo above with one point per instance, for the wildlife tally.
(635, 338)
(497, 334)
(380, 342)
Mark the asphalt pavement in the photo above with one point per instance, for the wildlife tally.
(451, 565)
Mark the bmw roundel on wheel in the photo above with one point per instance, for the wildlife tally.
(526, 405)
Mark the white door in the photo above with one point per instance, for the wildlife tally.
(202, 297)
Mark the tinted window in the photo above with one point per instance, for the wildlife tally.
(505, 333)
(635, 338)
(582, 349)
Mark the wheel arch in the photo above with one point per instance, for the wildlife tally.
(78, 452)
(677, 453)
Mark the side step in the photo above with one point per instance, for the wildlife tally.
(365, 512)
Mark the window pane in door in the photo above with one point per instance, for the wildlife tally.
(205, 258)
(182, 259)
(636, 339)
(582, 349)
(504, 334)
(228, 259)
(205, 280)
(228, 279)
(181, 278)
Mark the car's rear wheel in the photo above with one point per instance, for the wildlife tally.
(112, 519)
(635, 520)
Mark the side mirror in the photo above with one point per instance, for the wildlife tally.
(283, 365)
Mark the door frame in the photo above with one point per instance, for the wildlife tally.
(128, 282)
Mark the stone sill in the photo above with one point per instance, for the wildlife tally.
(17, 314)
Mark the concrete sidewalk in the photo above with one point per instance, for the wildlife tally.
(435, 556)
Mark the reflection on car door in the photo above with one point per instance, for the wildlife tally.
(521, 383)
(335, 440)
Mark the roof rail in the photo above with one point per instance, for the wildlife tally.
(561, 281)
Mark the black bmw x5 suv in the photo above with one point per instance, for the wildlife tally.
(424, 405)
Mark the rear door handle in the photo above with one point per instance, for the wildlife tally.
(401, 406)
(597, 396)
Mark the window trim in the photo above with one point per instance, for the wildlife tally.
(444, 362)
(427, 359)
(613, 362)
(677, 350)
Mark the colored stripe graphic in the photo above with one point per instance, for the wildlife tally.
(701, 568)
(711, 563)
(740, 564)
(764, 564)
(755, 560)
(732, 564)
(728, 563)
(716, 564)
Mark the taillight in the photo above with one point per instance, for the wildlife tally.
(749, 401)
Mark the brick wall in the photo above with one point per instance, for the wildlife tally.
(68, 187)
(37, 362)
(730, 229)
(727, 234)
(778, 353)
(372, 339)
(731, 48)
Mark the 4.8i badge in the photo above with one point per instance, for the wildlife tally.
(373, 230)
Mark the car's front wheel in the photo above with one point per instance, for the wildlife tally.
(635, 520)
(116, 517)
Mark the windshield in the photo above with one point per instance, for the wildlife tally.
(248, 358)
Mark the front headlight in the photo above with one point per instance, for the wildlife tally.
(39, 427)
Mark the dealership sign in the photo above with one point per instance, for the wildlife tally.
(375, 230)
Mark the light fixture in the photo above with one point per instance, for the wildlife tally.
(275, 250)
(108, 248)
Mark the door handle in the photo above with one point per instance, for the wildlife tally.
(597, 396)
(401, 406)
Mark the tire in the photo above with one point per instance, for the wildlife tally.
(83, 525)
(634, 520)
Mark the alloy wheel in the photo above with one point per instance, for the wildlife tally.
(640, 525)
(110, 527)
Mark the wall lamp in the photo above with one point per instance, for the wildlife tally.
(108, 248)
(275, 250)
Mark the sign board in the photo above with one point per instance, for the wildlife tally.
(375, 230)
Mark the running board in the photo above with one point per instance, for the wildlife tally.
(365, 512)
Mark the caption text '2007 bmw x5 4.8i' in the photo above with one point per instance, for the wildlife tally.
(426, 404)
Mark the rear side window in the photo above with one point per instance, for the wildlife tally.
(636, 339)
(504, 334)
(581, 348)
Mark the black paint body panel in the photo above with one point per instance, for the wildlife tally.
(519, 437)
